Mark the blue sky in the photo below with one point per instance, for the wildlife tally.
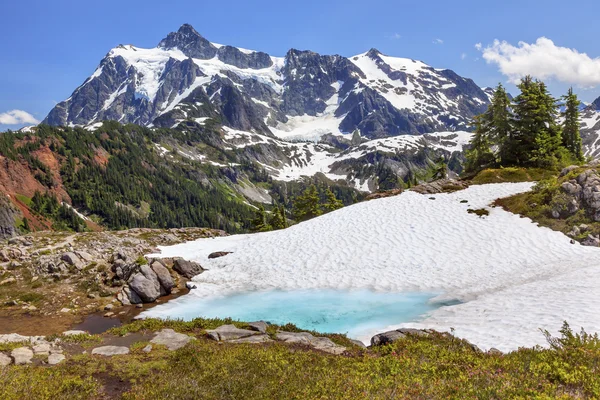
(50, 47)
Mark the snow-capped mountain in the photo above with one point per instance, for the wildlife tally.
(590, 129)
(303, 95)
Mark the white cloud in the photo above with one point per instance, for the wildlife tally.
(15, 117)
(543, 60)
(396, 36)
(438, 41)
(463, 56)
(478, 46)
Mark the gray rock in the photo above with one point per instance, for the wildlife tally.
(495, 351)
(22, 355)
(74, 333)
(191, 285)
(591, 240)
(218, 254)
(253, 339)
(4, 360)
(229, 332)
(306, 338)
(171, 339)
(188, 269)
(132, 296)
(568, 169)
(42, 348)
(72, 259)
(413, 332)
(108, 307)
(110, 350)
(358, 343)
(386, 337)
(260, 326)
(163, 275)
(147, 349)
(56, 358)
(145, 283)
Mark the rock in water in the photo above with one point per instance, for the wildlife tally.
(171, 339)
(188, 269)
(145, 283)
(164, 277)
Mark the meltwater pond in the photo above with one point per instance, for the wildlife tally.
(358, 313)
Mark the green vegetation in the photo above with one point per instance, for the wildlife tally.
(480, 212)
(435, 367)
(63, 217)
(526, 132)
(512, 174)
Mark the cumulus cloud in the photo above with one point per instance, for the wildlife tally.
(16, 117)
(438, 41)
(543, 60)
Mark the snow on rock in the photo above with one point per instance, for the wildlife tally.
(511, 276)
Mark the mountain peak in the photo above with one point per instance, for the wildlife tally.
(373, 53)
(190, 42)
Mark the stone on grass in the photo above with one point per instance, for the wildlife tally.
(55, 358)
(22, 355)
(163, 275)
(74, 333)
(306, 338)
(171, 339)
(5, 360)
(72, 259)
(386, 337)
(260, 326)
(229, 332)
(42, 348)
(263, 338)
(147, 349)
(110, 350)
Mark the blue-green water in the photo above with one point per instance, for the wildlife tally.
(357, 312)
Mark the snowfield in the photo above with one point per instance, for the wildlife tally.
(510, 276)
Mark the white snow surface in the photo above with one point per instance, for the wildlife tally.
(511, 276)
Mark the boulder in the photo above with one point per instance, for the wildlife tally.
(22, 355)
(386, 337)
(145, 283)
(42, 348)
(218, 254)
(591, 240)
(163, 275)
(306, 338)
(171, 339)
(229, 332)
(72, 259)
(55, 358)
(413, 332)
(132, 296)
(188, 269)
(4, 360)
(259, 326)
(253, 339)
(74, 333)
(568, 169)
(110, 351)
(358, 343)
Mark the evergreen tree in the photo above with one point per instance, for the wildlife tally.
(537, 135)
(259, 223)
(26, 226)
(277, 220)
(441, 169)
(497, 124)
(282, 212)
(479, 156)
(571, 139)
(306, 206)
(332, 203)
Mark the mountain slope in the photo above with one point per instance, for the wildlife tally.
(302, 95)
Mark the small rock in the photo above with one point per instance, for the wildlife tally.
(188, 269)
(259, 326)
(495, 351)
(218, 254)
(147, 349)
(55, 358)
(109, 314)
(171, 339)
(42, 348)
(191, 285)
(65, 310)
(72, 259)
(253, 339)
(108, 307)
(139, 306)
(22, 355)
(92, 296)
(4, 360)
(7, 281)
(110, 350)
(386, 337)
(74, 333)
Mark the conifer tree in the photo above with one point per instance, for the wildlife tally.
(277, 220)
(259, 223)
(571, 139)
(307, 204)
(497, 124)
(479, 156)
(332, 203)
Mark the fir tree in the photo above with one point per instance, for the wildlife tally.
(479, 156)
(332, 203)
(277, 220)
(497, 124)
(307, 204)
(259, 223)
(571, 139)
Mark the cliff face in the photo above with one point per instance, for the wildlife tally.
(8, 218)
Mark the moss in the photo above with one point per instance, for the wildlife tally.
(480, 212)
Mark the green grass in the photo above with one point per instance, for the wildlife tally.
(435, 367)
(512, 174)
(480, 212)
(23, 199)
(31, 297)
